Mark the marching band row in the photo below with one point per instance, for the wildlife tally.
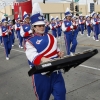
(70, 26)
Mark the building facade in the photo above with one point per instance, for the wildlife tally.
(50, 8)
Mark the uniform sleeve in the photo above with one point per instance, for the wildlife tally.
(67, 29)
(0, 32)
(58, 49)
(15, 27)
(22, 31)
(79, 22)
(63, 27)
(51, 27)
(94, 23)
(87, 23)
(32, 54)
(25, 34)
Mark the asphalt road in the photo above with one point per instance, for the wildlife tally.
(82, 83)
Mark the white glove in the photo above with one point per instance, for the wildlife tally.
(71, 27)
(9, 30)
(6, 33)
(30, 31)
(54, 26)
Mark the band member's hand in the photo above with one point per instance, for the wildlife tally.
(71, 27)
(54, 26)
(6, 33)
(44, 59)
(61, 54)
(30, 31)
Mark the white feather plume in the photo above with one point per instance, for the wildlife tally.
(36, 9)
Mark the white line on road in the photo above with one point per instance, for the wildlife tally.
(15, 50)
(89, 67)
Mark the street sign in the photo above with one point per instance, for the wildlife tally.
(80, 12)
(5, 15)
(76, 1)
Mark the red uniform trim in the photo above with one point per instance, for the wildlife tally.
(68, 29)
(26, 34)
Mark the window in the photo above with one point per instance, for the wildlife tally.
(47, 16)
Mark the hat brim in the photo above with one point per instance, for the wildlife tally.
(4, 22)
(26, 17)
(68, 15)
(39, 23)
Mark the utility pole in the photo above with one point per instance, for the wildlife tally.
(86, 7)
(73, 6)
(94, 4)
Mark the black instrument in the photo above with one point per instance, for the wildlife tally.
(64, 63)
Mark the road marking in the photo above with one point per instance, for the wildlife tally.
(89, 67)
(15, 50)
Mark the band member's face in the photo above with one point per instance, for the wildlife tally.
(18, 21)
(95, 15)
(5, 23)
(88, 18)
(74, 19)
(10, 23)
(57, 20)
(53, 21)
(81, 17)
(40, 29)
(27, 20)
(68, 17)
(99, 15)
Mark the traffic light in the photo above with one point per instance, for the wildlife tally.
(77, 14)
(91, 7)
(43, 1)
(77, 8)
(71, 6)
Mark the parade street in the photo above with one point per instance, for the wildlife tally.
(83, 82)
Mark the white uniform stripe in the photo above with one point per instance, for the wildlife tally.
(53, 48)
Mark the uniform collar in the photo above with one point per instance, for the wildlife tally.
(37, 34)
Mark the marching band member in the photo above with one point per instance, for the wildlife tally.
(26, 31)
(53, 27)
(11, 28)
(5, 34)
(58, 26)
(81, 24)
(95, 26)
(0, 33)
(99, 22)
(42, 48)
(68, 30)
(17, 28)
(88, 24)
(74, 35)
